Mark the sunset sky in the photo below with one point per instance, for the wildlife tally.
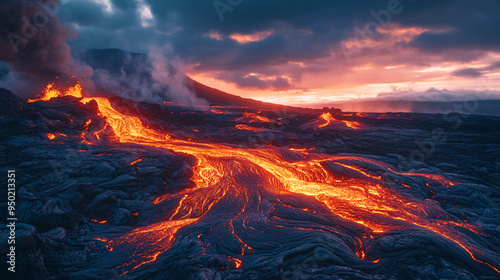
(308, 52)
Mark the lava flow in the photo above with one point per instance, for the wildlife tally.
(242, 187)
(326, 119)
(246, 127)
(251, 117)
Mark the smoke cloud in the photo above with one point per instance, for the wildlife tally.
(166, 77)
(150, 78)
(33, 44)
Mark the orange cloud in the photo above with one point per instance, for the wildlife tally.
(247, 38)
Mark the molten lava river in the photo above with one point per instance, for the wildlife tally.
(284, 213)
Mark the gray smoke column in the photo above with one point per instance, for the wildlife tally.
(33, 44)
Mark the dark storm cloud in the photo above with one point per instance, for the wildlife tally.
(200, 16)
(465, 24)
(467, 72)
(253, 81)
(476, 72)
(86, 13)
(301, 30)
(468, 25)
(124, 5)
(274, 50)
(495, 65)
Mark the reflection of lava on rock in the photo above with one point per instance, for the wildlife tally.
(243, 204)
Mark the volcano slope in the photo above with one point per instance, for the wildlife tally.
(112, 189)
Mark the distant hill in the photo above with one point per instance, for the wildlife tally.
(484, 107)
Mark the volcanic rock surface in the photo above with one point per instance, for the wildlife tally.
(213, 193)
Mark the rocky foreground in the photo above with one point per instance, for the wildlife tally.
(91, 207)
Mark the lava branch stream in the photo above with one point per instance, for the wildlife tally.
(225, 175)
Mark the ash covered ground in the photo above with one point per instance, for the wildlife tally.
(244, 193)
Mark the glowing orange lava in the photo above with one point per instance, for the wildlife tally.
(150, 241)
(125, 125)
(246, 127)
(326, 119)
(216, 112)
(339, 182)
(252, 117)
(136, 161)
(52, 136)
(51, 92)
